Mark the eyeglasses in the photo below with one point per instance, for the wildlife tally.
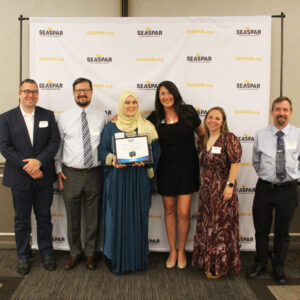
(82, 91)
(28, 92)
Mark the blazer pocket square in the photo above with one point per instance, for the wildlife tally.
(43, 124)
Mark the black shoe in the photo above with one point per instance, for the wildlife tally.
(279, 276)
(23, 266)
(48, 262)
(256, 272)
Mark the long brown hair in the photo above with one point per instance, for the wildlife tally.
(224, 127)
(183, 113)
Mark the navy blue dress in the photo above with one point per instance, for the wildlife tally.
(126, 204)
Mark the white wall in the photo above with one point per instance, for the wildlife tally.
(9, 33)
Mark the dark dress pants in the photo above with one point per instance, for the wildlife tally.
(41, 200)
(82, 189)
(284, 200)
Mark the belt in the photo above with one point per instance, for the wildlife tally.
(278, 184)
(82, 170)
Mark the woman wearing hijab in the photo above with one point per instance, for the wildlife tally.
(127, 195)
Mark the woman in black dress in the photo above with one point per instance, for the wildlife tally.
(178, 168)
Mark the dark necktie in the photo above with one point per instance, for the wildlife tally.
(86, 138)
(280, 157)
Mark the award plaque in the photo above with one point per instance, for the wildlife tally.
(133, 149)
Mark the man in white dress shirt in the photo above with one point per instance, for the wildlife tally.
(29, 140)
(276, 160)
(79, 172)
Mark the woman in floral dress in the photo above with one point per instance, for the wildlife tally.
(216, 244)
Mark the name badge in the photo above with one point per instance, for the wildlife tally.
(119, 135)
(43, 124)
(291, 145)
(95, 131)
(216, 150)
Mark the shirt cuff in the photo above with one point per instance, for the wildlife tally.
(150, 172)
(109, 159)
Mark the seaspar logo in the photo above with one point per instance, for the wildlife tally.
(246, 239)
(50, 85)
(199, 58)
(99, 59)
(194, 215)
(148, 85)
(154, 241)
(248, 31)
(56, 191)
(243, 189)
(108, 112)
(201, 112)
(149, 32)
(245, 138)
(248, 86)
(50, 32)
(58, 239)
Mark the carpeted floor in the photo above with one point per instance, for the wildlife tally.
(155, 283)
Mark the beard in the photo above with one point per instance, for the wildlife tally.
(83, 103)
(281, 120)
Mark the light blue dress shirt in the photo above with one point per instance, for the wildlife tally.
(264, 153)
(70, 152)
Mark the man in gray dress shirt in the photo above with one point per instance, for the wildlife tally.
(276, 155)
(79, 172)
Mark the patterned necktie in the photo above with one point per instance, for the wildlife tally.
(280, 157)
(86, 138)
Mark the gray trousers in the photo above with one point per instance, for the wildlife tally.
(82, 189)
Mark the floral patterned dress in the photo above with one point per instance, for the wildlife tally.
(216, 245)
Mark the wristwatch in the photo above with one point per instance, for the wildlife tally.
(230, 184)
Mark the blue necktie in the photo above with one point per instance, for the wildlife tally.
(280, 157)
(86, 138)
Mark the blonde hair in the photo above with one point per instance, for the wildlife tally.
(224, 127)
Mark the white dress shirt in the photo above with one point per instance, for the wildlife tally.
(70, 152)
(29, 121)
(264, 153)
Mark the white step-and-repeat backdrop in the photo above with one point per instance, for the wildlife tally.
(222, 61)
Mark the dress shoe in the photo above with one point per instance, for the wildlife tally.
(181, 264)
(170, 264)
(90, 263)
(212, 275)
(48, 262)
(279, 276)
(72, 262)
(256, 272)
(23, 266)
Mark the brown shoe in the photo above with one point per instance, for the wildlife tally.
(72, 262)
(90, 263)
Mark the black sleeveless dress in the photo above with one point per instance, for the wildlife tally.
(178, 167)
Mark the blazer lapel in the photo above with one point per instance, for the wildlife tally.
(20, 120)
(36, 124)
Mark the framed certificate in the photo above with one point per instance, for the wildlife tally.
(133, 149)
